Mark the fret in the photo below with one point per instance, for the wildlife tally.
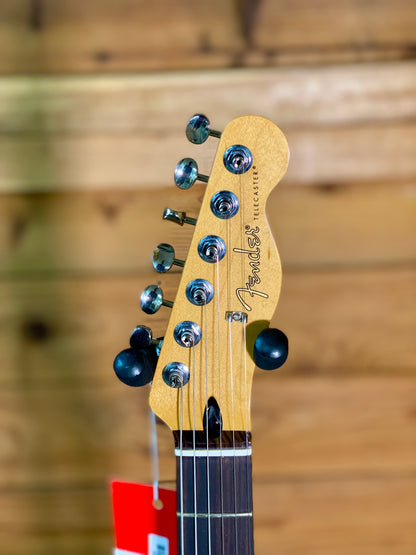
(213, 515)
(213, 452)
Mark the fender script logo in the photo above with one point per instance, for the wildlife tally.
(253, 253)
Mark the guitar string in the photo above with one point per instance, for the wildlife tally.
(231, 374)
(194, 449)
(247, 399)
(219, 401)
(248, 404)
(181, 469)
(233, 431)
(207, 429)
(244, 323)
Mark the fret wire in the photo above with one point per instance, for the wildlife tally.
(216, 515)
(224, 452)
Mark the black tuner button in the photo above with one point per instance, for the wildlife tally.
(142, 338)
(270, 349)
(198, 131)
(135, 367)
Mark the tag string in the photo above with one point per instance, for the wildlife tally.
(154, 457)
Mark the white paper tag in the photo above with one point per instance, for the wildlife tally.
(158, 545)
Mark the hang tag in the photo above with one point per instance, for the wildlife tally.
(141, 528)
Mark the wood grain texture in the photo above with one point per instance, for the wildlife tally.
(334, 430)
(63, 435)
(344, 25)
(340, 323)
(134, 35)
(50, 36)
(372, 516)
(127, 103)
(85, 134)
(337, 155)
(353, 225)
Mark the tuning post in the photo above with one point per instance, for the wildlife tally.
(198, 131)
(175, 374)
(212, 249)
(186, 173)
(238, 159)
(179, 218)
(152, 299)
(187, 334)
(199, 292)
(164, 258)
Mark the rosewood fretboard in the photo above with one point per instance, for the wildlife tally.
(214, 492)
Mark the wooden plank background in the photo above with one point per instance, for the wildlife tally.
(94, 97)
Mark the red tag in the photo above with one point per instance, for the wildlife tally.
(140, 528)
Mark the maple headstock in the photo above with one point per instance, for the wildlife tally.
(209, 348)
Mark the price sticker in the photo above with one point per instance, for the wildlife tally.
(142, 526)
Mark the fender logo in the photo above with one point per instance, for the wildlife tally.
(253, 254)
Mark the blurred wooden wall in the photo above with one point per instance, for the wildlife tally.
(94, 97)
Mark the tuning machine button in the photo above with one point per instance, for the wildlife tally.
(135, 367)
(152, 299)
(271, 348)
(198, 131)
(179, 218)
(164, 258)
(142, 338)
(186, 173)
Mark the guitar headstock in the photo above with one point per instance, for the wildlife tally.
(229, 287)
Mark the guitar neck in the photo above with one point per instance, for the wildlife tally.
(214, 494)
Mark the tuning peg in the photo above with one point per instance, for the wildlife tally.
(152, 299)
(164, 258)
(142, 338)
(135, 367)
(186, 173)
(271, 348)
(197, 130)
(177, 217)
